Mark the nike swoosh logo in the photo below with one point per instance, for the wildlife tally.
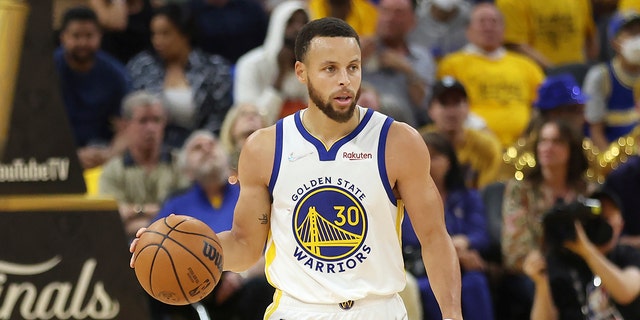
(293, 157)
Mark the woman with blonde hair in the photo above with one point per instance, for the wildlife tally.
(239, 123)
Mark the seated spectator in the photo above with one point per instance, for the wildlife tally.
(371, 98)
(93, 85)
(361, 15)
(399, 71)
(466, 223)
(559, 98)
(241, 121)
(59, 7)
(265, 76)
(195, 87)
(625, 182)
(211, 199)
(552, 33)
(142, 177)
(441, 26)
(501, 85)
(610, 110)
(228, 28)
(557, 177)
(126, 26)
(478, 152)
(588, 277)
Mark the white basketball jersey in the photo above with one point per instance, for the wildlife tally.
(335, 223)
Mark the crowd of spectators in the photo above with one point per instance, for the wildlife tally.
(525, 105)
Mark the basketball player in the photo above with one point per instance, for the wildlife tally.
(324, 189)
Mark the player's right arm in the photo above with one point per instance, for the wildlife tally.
(243, 245)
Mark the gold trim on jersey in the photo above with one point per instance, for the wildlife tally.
(399, 217)
(269, 256)
(274, 305)
(621, 118)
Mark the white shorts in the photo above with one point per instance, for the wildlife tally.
(286, 307)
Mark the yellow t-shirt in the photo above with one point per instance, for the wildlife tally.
(629, 5)
(557, 29)
(362, 18)
(479, 154)
(501, 91)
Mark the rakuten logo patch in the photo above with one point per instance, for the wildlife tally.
(357, 155)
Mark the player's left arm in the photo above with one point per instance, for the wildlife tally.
(408, 163)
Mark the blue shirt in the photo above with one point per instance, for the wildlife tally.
(464, 214)
(195, 203)
(620, 101)
(92, 98)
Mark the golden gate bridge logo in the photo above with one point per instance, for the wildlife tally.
(329, 223)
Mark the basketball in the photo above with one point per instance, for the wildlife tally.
(178, 260)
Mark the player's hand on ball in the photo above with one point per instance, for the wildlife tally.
(132, 246)
(178, 259)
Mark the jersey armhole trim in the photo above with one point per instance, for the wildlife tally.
(382, 166)
(277, 157)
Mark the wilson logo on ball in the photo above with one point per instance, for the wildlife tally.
(171, 263)
(212, 254)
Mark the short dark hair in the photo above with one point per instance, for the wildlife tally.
(179, 16)
(80, 13)
(454, 178)
(324, 27)
(414, 5)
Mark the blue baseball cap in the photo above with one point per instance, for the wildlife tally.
(621, 20)
(559, 90)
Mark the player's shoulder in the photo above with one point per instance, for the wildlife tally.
(260, 145)
(402, 129)
(262, 134)
(404, 138)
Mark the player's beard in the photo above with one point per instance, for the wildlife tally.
(327, 108)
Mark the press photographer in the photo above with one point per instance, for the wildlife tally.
(584, 273)
(558, 225)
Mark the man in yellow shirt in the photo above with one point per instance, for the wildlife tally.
(552, 33)
(479, 152)
(501, 85)
(361, 15)
(629, 5)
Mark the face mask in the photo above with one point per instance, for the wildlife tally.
(446, 5)
(630, 50)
